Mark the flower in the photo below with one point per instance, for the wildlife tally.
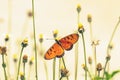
(55, 33)
(41, 38)
(78, 8)
(95, 42)
(99, 67)
(6, 37)
(25, 58)
(22, 76)
(89, 18)
(15, 57)
(80, 28)
(84, 67)
(31, 60)
(29, 13)
(64, 72)
(108, 57)
(3, 50)
(89, 60)
(24, 43)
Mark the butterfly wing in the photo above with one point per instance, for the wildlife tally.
(55, 51)
(68, 41)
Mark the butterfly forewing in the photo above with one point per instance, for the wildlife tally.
(68, 41)
(55, 50)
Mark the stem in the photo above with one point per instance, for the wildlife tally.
(34, 40)
(112, 36)
(60, 78)
(54, 64)
(94, 47)
(98, 74)
(19, 62)
(4, 65)
(46, 70)
(104, 69)
(24, 69)
(84, 55)
(59, 67)
(64, 66)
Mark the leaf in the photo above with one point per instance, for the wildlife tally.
(114, 73)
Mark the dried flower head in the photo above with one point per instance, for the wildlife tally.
(25, 58)
(110, 46)
(84, 67)
(6, 37)
(3, 50)
(15, 57)
(31, 60)
(80, 28)
(29, 13)
(99, 67)
(41, 38)
(55, 33)
(89, 60)
(95, 42)
(64, 72)
(78, 8)
(24, 43)
(89, 18)
(108, 57)
(22, 76)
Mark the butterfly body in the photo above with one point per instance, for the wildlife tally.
(65, 43)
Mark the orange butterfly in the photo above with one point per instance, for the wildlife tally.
(57, 49)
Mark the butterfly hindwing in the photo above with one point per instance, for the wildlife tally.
(68, 41)
(55, 51)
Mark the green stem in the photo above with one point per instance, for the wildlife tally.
(76, 60)
(61, 78)
(34, 40)
(19, 63)
(90, 74)
(24, 69)
(59, 68)
(84, 55)
(94, 49)
(104, 69)
(64, 66)
(112, 36)
(4, 65)
(54, 64)
(99, 75)
(46, 70)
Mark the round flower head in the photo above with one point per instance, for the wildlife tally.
(89, 18)
(64, 72)
(41, 38)
(29, 13)
(3, 50)
(80, 28)
(78, 8)
(15, 57)
(24, 43)
(55, 33)
(99, 67)
(6, 37)
(25, 58)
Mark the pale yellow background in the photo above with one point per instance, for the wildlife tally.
(61, 15)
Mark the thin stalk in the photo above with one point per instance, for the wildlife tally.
(84, 56)
(19, 63)
(111, 38)
(4, 65)
(59, 68)
(24, 69)
(34, 40)
(94, 49)
(64, 66)
(54, 64)
(98, 74)
(104, 69)
(61, 78)
(90, 74)
(76, 53)
(30, 67)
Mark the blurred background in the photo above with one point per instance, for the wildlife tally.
(62, 15)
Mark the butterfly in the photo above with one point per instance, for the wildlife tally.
(65, 43)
